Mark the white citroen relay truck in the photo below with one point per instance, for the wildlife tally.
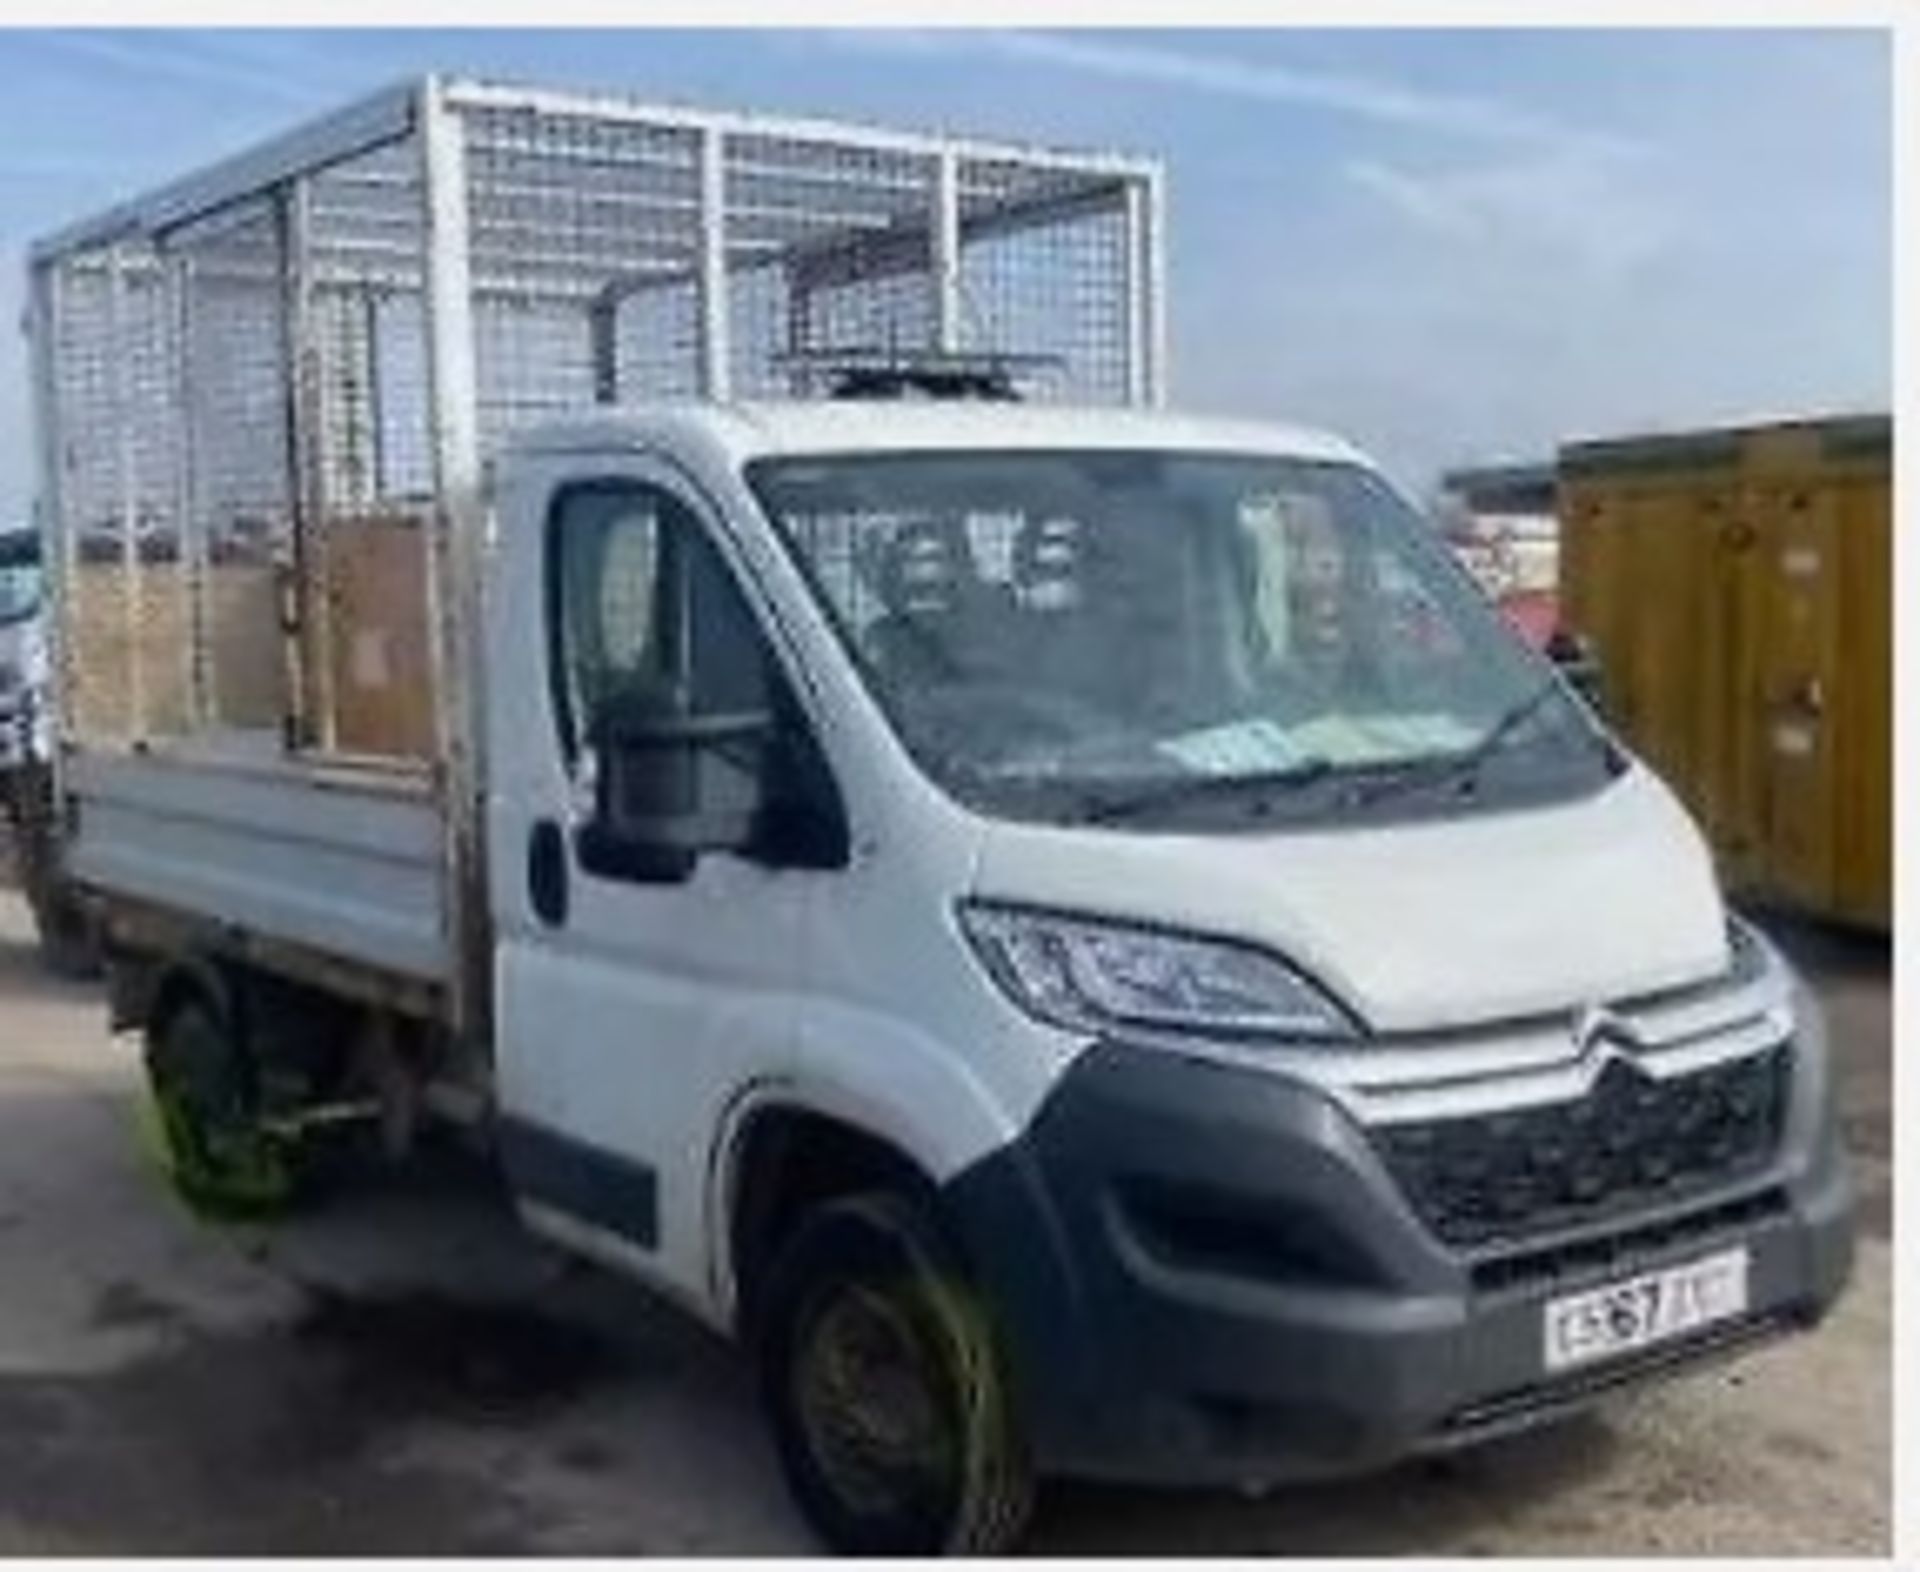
(1074, 933)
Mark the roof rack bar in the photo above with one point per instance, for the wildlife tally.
(469, 94)
(381, 117)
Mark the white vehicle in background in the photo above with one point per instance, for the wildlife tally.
(26, 755)
(23, 656)
(1072, 932)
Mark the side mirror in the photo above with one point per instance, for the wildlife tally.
(1578, 662)
(671, 785)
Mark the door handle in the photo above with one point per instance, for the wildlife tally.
(547, 872)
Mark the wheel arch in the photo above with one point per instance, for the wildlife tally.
(903, 1095)
(780, 1152)
(176, 981)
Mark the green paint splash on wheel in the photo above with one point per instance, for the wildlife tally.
(234, 1173)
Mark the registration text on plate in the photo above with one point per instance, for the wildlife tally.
(1639, 1312)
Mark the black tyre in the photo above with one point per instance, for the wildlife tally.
(885, 1387)
(219, 1153)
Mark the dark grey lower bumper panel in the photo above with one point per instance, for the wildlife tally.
(1207, 1275)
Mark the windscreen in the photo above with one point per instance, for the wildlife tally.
(1143, 636)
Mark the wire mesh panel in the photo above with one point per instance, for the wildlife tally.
(155, 600)
(113, 382)
(365, 456)
(828, 246)
(596, 239)
(87, 461)
(585, 239)
(1045, 268)
(262, 404)
(236, 421)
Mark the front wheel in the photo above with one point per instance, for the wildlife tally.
(885, 1388)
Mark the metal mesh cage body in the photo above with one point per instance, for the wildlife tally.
(267, 393)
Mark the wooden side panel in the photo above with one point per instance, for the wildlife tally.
(377, 604)
(131, 675)
(246, 657)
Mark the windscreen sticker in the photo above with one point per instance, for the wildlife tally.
(1402, 736)
(1244, 747)
(1238, 748)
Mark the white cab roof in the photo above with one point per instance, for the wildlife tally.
(748, 431)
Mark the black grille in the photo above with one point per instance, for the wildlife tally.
(1631, 1144)
(1615, 1252)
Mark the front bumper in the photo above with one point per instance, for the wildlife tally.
(1208, 1274)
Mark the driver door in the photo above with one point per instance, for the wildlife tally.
(638, 994)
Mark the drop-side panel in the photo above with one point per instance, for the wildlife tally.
(347, 868)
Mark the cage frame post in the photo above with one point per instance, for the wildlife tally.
(126, 503)
(716, 347)
(58, 549)
(309, 635)
(190, 546)
(1149, 293)
(948, 332)
(456, 531)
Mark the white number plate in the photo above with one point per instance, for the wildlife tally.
(1641, 1311)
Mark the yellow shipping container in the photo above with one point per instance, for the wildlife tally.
(1737, 588)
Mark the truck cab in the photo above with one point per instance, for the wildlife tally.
(1107, 883)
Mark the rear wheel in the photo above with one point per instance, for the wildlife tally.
(219, 1152)
(885, 1387)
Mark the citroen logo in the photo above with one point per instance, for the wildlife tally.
(1600, 1034)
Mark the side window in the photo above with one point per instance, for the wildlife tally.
(646, 618)
(641, 603)
(607, 553)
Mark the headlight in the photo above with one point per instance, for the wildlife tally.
(1088, 975)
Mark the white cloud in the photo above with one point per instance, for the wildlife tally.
(1375, 99)
(1593, 212)
(1423, 203)
(180, 56)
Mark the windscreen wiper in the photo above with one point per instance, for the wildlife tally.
(1464, 764)
(1106, 809)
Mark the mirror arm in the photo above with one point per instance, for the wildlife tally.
(693, 731)
(612, 856)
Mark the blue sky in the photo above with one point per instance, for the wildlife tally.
(1448, 245)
